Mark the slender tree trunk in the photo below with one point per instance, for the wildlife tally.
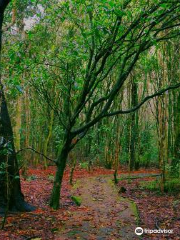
(134, 127)
(27, 134)
(163, 120)
(61, 165)
(50, 129)
(176, 159)
(72, 169)
(17, 128)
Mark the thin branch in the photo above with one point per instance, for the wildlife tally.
(159, 93)
(30, 148)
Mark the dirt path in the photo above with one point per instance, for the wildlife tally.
(103, 215)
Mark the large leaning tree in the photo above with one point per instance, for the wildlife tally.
(11, 197)
(90, 41)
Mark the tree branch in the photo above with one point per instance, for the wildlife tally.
(159, 93)
(32, 149)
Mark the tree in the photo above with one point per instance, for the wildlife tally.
(11, 196)
(175, 161)
(111, 35)
(73, 56)
(134, 127)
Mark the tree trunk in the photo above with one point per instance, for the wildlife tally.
(46, 143)
(3, 5)
(61, 165)
(175, 161)
(133, 164)
(162, 118)
(10, 189)
(11, 196)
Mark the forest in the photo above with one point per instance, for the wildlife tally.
(89, 119)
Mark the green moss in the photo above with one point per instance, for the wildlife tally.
(110, 181)
(77, 200)
(51, 177)
(134, 208)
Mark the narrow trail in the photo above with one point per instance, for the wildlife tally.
(103, 214)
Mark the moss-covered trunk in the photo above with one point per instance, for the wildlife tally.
(61, 165)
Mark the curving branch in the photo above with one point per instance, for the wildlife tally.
(159, 93)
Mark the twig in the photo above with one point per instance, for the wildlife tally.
(30, 148)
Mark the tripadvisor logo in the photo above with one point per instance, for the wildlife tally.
(138, 231)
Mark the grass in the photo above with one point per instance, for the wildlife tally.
(171, 185)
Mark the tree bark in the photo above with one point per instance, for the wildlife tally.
(11, 196)
(175, 161)
(133, 164)
(61, 165)
(3, 5)
(10, 190)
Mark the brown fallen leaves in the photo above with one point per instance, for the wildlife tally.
(156, 210)
(45, 223)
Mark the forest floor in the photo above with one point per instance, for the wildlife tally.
(104, 213)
